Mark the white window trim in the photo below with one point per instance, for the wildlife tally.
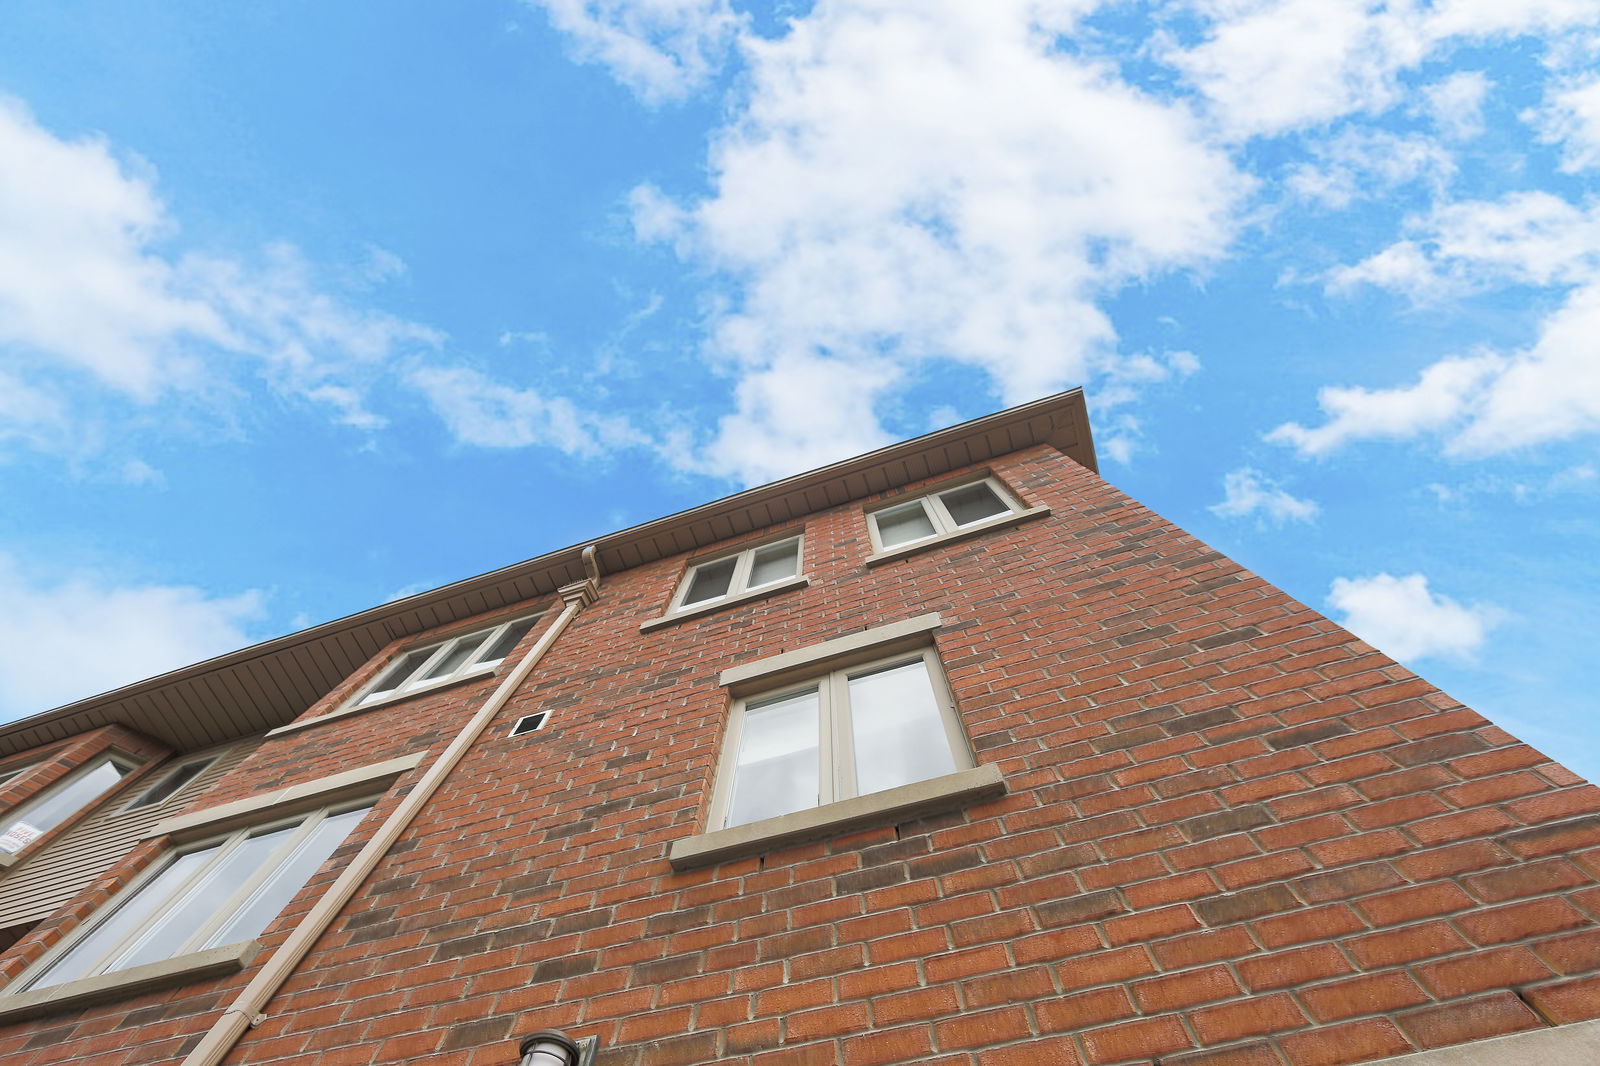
(945, 527)
(182, 962)
(836, 754)
(205, 762)
(739, 587)
(129, 765)
(757, 679)
(364, 698)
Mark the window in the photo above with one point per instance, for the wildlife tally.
(172, 783)
(851, 732)
(436, 664)
(733, 575)
(940, 513)
(212, 894)
(11, 773)
(61, 801)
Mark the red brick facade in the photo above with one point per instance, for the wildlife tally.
(1233, 834)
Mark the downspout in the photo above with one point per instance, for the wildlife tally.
(247, 1009)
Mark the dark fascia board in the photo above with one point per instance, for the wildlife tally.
(186, 709)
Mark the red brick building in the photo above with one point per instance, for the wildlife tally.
(951, 753)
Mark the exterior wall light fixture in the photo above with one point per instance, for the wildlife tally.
(553, 1048)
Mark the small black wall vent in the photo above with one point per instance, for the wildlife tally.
(529, 723)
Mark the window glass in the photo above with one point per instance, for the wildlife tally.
(203, 900)
(127, 917)
(58, 803)
(507, 640)
(440, 663)
(777, 770)
(711, 581)
(901, 525)
(400, 671)
(222, 893)
(973, 503)
(454, 656)
(774, 563)
(898, 730)
(857, 730)
(169, 785)
(291, 874)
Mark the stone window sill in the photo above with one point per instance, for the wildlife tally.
(730, 601)
(940, 540)
(895, 804)
(101, 988)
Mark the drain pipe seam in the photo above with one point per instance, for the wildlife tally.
(246, 1010)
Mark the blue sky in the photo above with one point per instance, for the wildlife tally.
(307, 306)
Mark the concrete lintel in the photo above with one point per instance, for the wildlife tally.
(829, 650)
(305, 796)
(917, 798)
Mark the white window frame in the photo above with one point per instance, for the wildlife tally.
(484, 638)
(307, 821)
(836, 747)
(18, 815)
(143, 800)
(739, 584)
(11, 773)
(944, 524)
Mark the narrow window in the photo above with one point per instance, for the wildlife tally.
(172, 783)
(61, 801)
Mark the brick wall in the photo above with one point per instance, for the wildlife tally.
(1234, 834)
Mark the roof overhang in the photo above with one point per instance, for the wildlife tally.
(254, 689)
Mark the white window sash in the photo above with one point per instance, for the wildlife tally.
(417, 680)
(939, 515)
(739, 581)
(225, 912)
(837, 777)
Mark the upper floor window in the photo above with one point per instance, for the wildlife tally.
(219, 892)
(173, 783)
(61, 801)
(940, 513)
(849, 732)
(733, 575)
(11, 773)
(436, 664)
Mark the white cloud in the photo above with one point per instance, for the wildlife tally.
(1270, 66)
(1403, 618)
(661, 49)
(1529, 238)
(1248, 491)
(1571, 118)
(1437, 400)
(912, 182)
(80, 281)
(94, 305)
(488, 414)
(1456, 103)
(62, 640)
(1490, 402)
(1367, 163)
